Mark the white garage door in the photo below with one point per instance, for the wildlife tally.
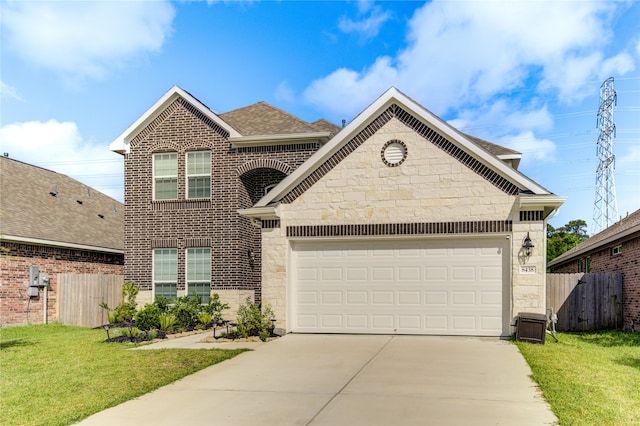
(448, 287)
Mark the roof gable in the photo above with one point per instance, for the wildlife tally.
(394, 103)
(121, 144)
(42, 206)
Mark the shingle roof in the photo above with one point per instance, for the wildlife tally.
(71, 217)
(491, 147)
(323, 125)
(625, 227)
(264, 119)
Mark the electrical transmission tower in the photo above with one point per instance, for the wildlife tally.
(605, 210)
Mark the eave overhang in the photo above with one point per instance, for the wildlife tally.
(61, 244)
(261, 213)
(547, 203)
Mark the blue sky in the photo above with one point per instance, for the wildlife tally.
(526, 75)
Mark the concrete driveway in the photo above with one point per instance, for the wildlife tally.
(350, 380)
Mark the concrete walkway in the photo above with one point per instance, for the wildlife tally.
(350, 380)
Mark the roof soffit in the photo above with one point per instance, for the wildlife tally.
(390, 97)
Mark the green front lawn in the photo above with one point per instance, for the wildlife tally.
(589, 378)
(58, 375)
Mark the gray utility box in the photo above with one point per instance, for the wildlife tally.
(531, 327)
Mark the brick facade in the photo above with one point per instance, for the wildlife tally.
(14, 276)
(238, 179)
(627, 261)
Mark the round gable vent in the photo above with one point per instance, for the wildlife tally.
(394, 153)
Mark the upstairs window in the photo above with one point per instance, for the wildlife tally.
(199, 273)
(616, 250)
(165, 273)
(165, 176)
(199, 174)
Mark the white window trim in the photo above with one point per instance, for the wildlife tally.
(153, 173)
(153, 272)
(187, 175)
(186, 269)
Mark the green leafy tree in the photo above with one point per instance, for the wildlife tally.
(564, 238)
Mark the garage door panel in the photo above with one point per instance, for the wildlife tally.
(382, 298)
(330, 274)
(357, 274)
(357, 298)
(435, 273)
(307, 297)
(409, 273)
(490, 298)
(382, 322)
(409, 298)
(417, 287)
(463, 273)
(463, 298)
(382, 273)
(436, 298)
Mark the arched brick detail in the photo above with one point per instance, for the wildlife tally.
(263, 163)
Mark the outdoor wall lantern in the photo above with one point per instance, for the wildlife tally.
(527, 245)
(252, 257)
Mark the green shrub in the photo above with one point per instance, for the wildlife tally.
(125, 311)
(186, 310)
(148, 318)
(215, 308)
(205, 318)
(167, 322)
(162, 303)
(252, 321)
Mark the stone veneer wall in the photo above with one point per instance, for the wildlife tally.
(236, 175)
(430, 186)
(14, 276)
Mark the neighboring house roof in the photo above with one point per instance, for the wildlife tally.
(31, 213)
(532, 195)
(626, 228)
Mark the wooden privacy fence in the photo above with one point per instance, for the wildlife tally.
(586, 301)
(80, 296)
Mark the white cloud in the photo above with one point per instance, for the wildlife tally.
(368, 26)
(503, 117)
(59, 146)
(531, 147)
(465, 53)
(284, 92)
(86, 38)
(10, 92)
(346, 92)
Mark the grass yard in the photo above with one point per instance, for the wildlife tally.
(589, 378)
(58, 375)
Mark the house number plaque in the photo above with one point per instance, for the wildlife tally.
(527, 269)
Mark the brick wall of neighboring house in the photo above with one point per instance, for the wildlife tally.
(14, 276)
(213, 223)
(627, 262)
